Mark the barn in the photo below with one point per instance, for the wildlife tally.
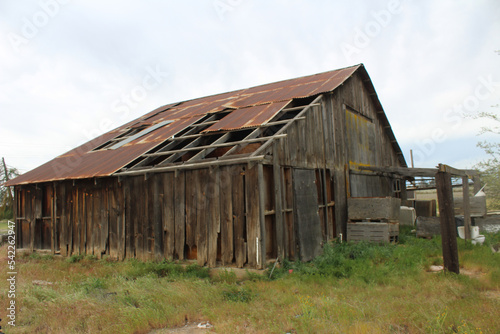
(238, 178)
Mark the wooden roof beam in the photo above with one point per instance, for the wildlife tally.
(195, 165)
(283, 129)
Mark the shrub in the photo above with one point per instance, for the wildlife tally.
(75, 258)
(165, 269)
(234, 293)
(226, 276)
(93, 284)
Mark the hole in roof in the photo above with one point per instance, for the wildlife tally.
(132, 133)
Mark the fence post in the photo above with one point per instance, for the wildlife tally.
(447, 219)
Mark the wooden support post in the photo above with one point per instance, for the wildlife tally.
(214, 219)
(128, 242)
(404, 192)
(261, 235)
(168, 216)
(180, 214)
(477, 183)
(157, 217)
(53, 218)
(324, 184)
(447, 219)
(467, 222)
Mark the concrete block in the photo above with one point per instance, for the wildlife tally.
(407, 216)
(381, 208)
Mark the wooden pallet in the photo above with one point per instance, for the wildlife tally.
(372, 231)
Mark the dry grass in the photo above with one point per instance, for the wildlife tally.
(100, 296)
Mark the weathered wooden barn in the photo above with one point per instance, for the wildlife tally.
(238, 178)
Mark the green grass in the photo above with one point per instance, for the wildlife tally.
(4, 225)
(351, 288)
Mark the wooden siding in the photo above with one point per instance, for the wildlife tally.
(336, 137)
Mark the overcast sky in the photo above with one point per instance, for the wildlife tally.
(70, 70)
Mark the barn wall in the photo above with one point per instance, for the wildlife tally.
(207, 215)
(231, 215)
(336, 138)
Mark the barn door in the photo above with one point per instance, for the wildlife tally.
(307, 223)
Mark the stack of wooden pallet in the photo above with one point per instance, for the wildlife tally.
(373, 219)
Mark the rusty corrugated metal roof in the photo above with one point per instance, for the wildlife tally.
(252, 107)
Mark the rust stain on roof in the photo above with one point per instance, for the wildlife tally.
(248, 117)
(251, 107)
(84, 162)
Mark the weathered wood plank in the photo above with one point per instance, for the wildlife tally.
(53, 216)
(307, 140)
(260, 229)
(331, 204)
(253, 215)
(30, 218)
(191, 196)
(157, 217)
(180, 213)
(214, 219)
(80, 242)
(278, 203)
(289, 216)
(226, 205)
(466, 206)
(201, 216)
(113, 222)
(121, 222)
(324, 185)
(138, 214)
(307, 223)
(38, 193)
(477, 183)
(168, 215)
(447, 219)
(104, 248)
(373, 232)
(72, 242)
(477, 206)
(293, 143)
(89, 205)
(96, 221)
(129, 221)
(149, 241)
(238, 195)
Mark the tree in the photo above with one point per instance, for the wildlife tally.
(6, 193)
(490, 168)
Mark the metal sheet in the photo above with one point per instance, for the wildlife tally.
(248, 117)
(140, 134)
(82, 162)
